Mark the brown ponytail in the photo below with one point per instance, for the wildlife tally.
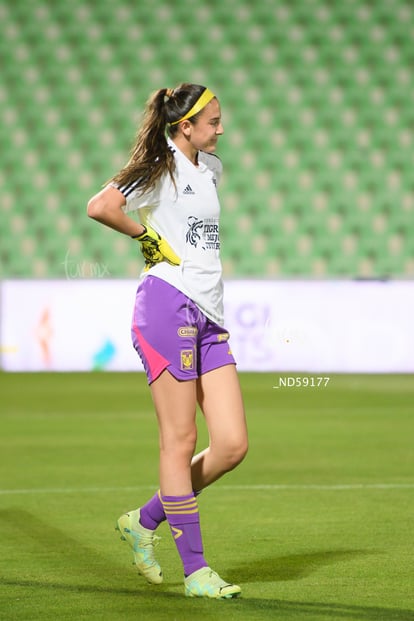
(151, 157)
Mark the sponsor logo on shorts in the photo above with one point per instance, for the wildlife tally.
(187, 331)
(187, 360)
(223, 337)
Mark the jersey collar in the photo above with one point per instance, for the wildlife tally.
(180, 155)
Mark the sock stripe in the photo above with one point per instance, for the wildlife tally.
(186, 512)
(180, 505)
(181, 509)
(182, 500)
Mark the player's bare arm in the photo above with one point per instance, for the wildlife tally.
(106, 208)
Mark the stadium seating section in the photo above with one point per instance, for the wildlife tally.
(318, 107)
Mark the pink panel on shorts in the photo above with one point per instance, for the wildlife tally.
(156, 363)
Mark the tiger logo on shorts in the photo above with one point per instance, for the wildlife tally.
(187, 360)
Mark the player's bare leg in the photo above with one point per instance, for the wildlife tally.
(220, 399)
(175, 403)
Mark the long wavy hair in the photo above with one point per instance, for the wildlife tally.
(151, 156)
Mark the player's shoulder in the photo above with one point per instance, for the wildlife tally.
(129, 189)
(212, 161)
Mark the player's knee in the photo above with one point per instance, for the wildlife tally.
(234, 453)
(179, 443)
(241, 452)
(187, 443)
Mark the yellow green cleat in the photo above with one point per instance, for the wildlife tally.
(207, 583)
(142, 541)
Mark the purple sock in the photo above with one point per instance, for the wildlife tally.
(152, 513)
(184, 520)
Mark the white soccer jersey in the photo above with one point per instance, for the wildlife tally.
(187, 217)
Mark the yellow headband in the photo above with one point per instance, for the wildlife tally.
(201, 103)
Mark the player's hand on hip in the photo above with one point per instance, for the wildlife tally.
(156, 249)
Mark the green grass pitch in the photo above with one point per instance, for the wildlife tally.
(316, 524)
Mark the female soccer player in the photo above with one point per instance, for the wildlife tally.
(177, 327)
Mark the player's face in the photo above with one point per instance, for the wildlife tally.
(207, 128)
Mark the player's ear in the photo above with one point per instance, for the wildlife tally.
(186, 128)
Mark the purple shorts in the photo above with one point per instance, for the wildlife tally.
(170, 332)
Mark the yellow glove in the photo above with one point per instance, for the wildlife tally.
(155, 249)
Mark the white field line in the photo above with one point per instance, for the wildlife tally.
(233, 488)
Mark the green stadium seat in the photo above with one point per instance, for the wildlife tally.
(317, 103)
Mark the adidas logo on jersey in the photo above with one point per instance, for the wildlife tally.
(188, 190)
